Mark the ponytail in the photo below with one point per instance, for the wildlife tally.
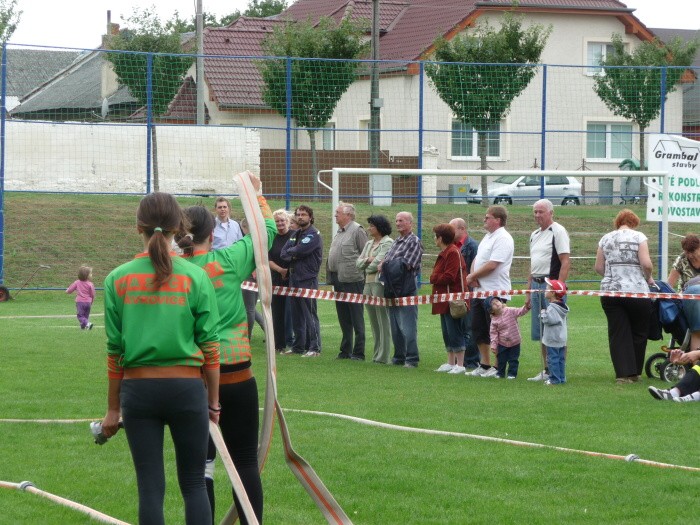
(158, 215)
(159, 253)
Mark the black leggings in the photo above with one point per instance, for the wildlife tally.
(147, 406)
(240, 417)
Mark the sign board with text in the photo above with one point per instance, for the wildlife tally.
(680, 157)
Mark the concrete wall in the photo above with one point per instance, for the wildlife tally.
(112, 158)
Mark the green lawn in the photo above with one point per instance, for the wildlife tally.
(52, 370)
(68, 230)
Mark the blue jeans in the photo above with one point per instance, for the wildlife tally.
(508, 356)
(538, 302)
(691, 308)
(452, 334)
(404, 333)
(556, 361)
(471, 354)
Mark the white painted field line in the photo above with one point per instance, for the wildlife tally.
(369, 422)
(46, 316)
(432, 432)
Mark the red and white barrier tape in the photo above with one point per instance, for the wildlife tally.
(327, 295)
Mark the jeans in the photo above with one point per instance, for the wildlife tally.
(452, 334)
(471, 354)
(538, 303)
(556, 361)
(404, 333)
(691, 308)
(508, 356)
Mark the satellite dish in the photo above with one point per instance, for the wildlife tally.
(105, 107)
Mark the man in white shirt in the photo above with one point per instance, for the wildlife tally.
(490, 271)
(549, 258)
(226, 230)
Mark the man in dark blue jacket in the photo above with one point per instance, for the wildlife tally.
(304, 251)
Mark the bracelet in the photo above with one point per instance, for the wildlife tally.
(215, 409)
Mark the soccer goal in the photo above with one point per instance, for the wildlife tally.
(386, 187)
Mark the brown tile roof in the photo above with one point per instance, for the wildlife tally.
(409, 27)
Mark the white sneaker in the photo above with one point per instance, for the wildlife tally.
(311, 353)
(478, 371)
(685, 399)
(491, 372)
(457, 370)
(542, 376)
(510, 377)
(446, 367)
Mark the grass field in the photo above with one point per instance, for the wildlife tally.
(65, 231)
(51, 370)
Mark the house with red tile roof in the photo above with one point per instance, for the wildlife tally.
(580, 131)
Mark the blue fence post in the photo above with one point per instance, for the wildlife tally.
(421, 96)
(3, 95)
(662, 127)
(421, 101)
(149, 120)
(543, 131)
(288, 145)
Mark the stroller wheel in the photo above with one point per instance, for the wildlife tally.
(654, 365)
(672, 372)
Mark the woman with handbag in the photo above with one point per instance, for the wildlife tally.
(448, 276)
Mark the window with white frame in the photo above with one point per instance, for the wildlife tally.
(465, 141)
(606, 141)
(597, 52)
(329, 136)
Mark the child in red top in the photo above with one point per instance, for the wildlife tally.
(85, 296)
(505, 336)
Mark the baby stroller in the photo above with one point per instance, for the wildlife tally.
(673, 321)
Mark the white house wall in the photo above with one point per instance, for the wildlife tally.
(571, 104)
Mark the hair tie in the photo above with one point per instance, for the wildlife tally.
(158, 229)
(189, 236)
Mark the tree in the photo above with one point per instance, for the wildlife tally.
(631, 84)
(264, 8)
(9, 19)
(145, 41)
(255, 9)
(317, 85)
(478, 75)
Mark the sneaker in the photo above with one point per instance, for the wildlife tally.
(547, 382)
(457, 370)
(288, 351)
(660, 394)
(446, 367)
(89, 326)
(542, 376)
(478, 371)
(511, 377)
(311, 353)
(410, 365)
(491, 372)
(685, 399)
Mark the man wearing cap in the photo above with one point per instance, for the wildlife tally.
(549, 258)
